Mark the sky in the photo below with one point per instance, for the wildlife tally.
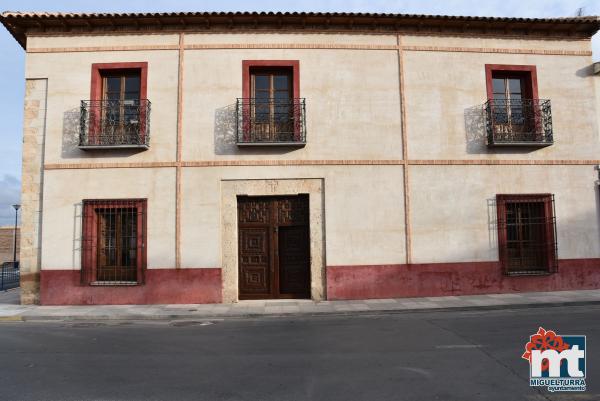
(12, 81)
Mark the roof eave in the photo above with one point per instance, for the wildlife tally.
(19, 36)
(20, 24)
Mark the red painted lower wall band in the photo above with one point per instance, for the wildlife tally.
(198, 286)
(439, 279)
(162, 286)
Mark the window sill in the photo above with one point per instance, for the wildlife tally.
(109, 147)
(114, 283)
(540, 144)
(288, 144)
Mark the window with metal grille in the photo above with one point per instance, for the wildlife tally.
(118, 112)
(515, 115)
(527, 234)
(113, 241)
(270, 111)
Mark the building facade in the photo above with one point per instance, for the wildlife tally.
(213, 157)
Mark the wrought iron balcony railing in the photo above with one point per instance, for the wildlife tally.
(114, 124)
(268, 121)
(525, 122)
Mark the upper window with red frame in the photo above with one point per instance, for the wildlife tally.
(515, 114)
(270, 111)
(118, 113)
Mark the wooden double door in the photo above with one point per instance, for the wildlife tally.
(274, 247)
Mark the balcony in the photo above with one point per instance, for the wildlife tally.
(109, 124)
(271, 122)
(523, 122)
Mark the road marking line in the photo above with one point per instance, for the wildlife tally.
(16, 318)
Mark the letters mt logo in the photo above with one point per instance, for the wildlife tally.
(556, 362)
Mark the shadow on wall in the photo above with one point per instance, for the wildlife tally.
(475, 129)
(585, 72)
(70, 140)
(476, 134)
(492, 224)
(226, 136)
(225, 130)
(77, 233)
(597, 199)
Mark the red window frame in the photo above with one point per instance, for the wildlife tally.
(550, 229)
(89, 235)
(247, 66)
(527, 71)
(98, 69)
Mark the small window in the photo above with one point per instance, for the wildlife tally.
(270, 111)
(114, 234)
(121, 105)
(511, 82)
(118, 112)
(511, 94)
(526, 234)
(272, 105)
(515, 114)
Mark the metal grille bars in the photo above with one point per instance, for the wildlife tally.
(114, 123)
(519, 122)
(527, 234)
(113, 241)
(268, 121)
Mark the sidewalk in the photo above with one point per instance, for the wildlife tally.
(10, 310)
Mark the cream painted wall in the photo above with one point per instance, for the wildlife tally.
(596, 80)
(364, 214)
(64, 191)
(502, 43)
(351, 94)
(291, 38)
(353, 112)
(445, 92)
(144, 39)
(454, 215)
(69, 80)
(364, 211)
(352, 104)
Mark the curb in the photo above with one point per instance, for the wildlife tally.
(178, 317)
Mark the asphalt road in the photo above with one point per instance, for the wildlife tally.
(461, 356)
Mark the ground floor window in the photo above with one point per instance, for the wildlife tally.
(526, 233)
(113, 241)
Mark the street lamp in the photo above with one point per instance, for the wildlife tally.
(17, 207)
